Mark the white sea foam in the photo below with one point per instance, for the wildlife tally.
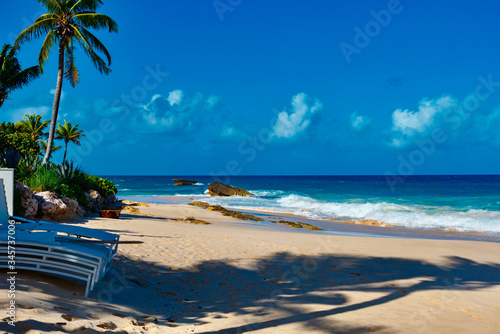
(412, 216)
(267, 193)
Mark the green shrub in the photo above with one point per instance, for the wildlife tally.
(66, 191)
(19, 209)
(103, 186)
(45, 179)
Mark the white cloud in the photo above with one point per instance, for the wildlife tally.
(289, 125)
(18, 114)
(409, 124)
(53, 91)
(177, 112)
(213, 102)
(229, 131)
(175, 97)
(359, 123)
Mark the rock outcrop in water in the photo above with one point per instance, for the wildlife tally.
(221, 189)
(181, 182)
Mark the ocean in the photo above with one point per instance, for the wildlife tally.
(462, 203)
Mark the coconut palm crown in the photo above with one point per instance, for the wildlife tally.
(33, 125)
(12, 76)
(69, 133)
(65, 25)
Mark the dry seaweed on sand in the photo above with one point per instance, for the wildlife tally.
(130, 203)
(203, 205)
(226, 212)
(191, 220)
(132, 210)
(297, 225)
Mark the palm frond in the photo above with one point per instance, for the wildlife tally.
(96, 21)
(99, 63)
(22, 78)
(12, 76)
(35, 31)
(53, 6)
(95, 43)
(86, 5)
(71, 72)
(46, 16)
(54, 147)
(48, 44)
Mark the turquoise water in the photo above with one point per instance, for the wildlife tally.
(465, 203)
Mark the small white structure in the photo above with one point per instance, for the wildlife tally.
(62, 250)
(7, 175)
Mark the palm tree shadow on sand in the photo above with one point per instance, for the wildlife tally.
(278, 286)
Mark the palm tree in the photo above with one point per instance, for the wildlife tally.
(65, 25)
(12, 76)
(68, 133)
(33, 125)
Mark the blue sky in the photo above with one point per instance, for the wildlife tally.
(274, 87)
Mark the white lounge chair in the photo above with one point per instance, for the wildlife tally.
(61, 250)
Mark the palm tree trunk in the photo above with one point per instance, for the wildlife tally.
(57, 99)
(65, 150)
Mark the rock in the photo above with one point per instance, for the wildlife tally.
(81, 211)
(54, 208)
(73, 207)
(221, 189)
(111, 199)
(70, 203)
(50, 206)
(94, 199)
(180, 182)
(94, 194)
(31, 206)
(24, 190)
(27, 200)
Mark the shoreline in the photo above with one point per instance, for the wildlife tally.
(336, 226)
(241, 276)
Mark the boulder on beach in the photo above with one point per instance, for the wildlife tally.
(51, 207)
(181, 182)
(28, 202)
(221, 189)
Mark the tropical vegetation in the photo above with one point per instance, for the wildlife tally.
(12, 76)
(68, 133)
(65, 25)
(27, 146)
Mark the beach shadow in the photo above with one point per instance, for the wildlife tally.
(278, 287)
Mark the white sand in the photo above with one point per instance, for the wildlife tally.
(235, 276)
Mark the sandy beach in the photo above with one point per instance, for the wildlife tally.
(236, 276)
